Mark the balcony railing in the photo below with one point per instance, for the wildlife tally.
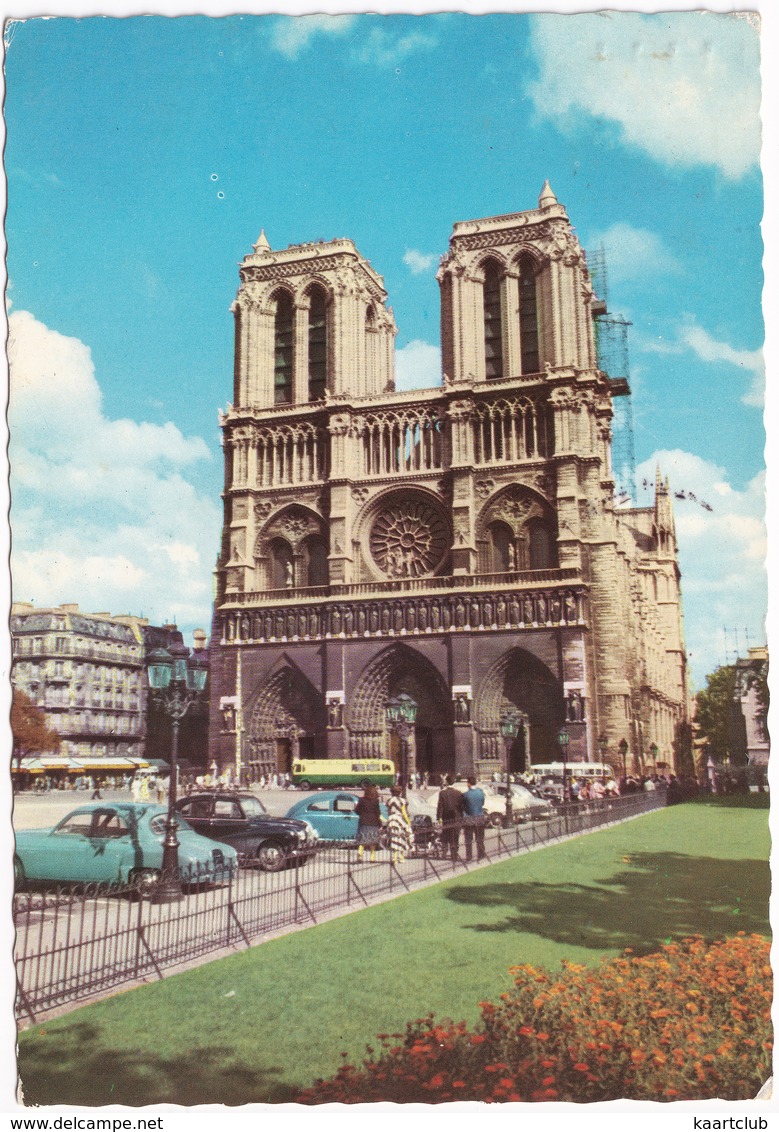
(513, 579)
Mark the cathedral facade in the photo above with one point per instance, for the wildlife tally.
(460, 544)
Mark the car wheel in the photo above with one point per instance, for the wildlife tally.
(495, 820)
(305, 784)
(271, 856)
(144, 881)
(19, 877)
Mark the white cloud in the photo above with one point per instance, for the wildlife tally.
(384, 49)
(102, 513)
(418, 366)
(709, 349)
(633, 253)
(419, 262)
(690, 337)
(721, 553)
(293, 34)
(683, 87)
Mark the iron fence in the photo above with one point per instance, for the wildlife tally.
(76, 943)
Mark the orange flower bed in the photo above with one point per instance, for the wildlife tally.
(689, 1022)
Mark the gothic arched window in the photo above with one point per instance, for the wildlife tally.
(528, 316)
(315, 562)
(502, 551)
(317, 344)
(493, 321)
(281, 568)
(542, 549)
(283, 349)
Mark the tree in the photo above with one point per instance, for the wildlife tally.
(31, 733)
(718, 718)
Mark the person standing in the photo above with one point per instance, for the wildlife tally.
(398, 825)
(473, 806)
(450, 812)
(369, 821)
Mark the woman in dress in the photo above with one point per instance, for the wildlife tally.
(399, 826)
(369, 821)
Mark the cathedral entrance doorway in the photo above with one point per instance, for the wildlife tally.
(400, 669)
(287, 718)
(519, 681)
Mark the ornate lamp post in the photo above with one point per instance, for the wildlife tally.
(564, 739)
(653, 750)
(623, 750)
(603, 747)
(509, 729)
(401, 716)
(177, 682)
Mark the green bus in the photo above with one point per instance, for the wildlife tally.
(307, 773)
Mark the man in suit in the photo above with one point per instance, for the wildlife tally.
(473, 803)
(449, 812)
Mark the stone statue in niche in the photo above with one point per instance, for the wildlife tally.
(570, 608)
(514, 611)
(349, 620)
(289, 573)
(555, 608)
(228, 717)
(462, 708)
(512, 555)
(527, 611)
(334, 713)
(575, 707)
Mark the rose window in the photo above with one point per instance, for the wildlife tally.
(409, 539)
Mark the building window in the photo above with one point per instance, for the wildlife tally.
(316, 562)
(528, 317)
(502, 551)
(542, 547)
(283, 349)
(493, 322)
(317, 345)
(282, 572)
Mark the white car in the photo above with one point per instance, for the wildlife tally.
(524, 804)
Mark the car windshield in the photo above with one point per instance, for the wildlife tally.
(157, 824)
(251, 806)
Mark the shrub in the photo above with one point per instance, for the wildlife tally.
(689, 1022)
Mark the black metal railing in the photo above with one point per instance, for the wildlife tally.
(80, 942)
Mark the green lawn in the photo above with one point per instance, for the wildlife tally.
(257, 1026)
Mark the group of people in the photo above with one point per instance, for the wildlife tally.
(370, 822)
(457, 811)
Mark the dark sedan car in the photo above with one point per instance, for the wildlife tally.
(242, 821)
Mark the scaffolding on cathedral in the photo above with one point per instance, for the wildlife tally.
(611, 341)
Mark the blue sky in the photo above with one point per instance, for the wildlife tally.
(144, 155)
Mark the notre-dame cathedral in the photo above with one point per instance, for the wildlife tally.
(460, 544)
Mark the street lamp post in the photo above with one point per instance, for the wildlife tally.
(623, 750)
(401, 717)
(177, 682)
(653, 750)
(509, 729)
(564, 739)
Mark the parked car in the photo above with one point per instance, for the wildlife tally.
(117, 843)
(526, 806)
(332, 814)
(241, 820)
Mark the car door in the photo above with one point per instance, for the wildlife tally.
(87, 846)
(228, 822)
(345, 820)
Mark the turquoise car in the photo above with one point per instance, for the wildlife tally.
(117, 844)
(331, 813)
